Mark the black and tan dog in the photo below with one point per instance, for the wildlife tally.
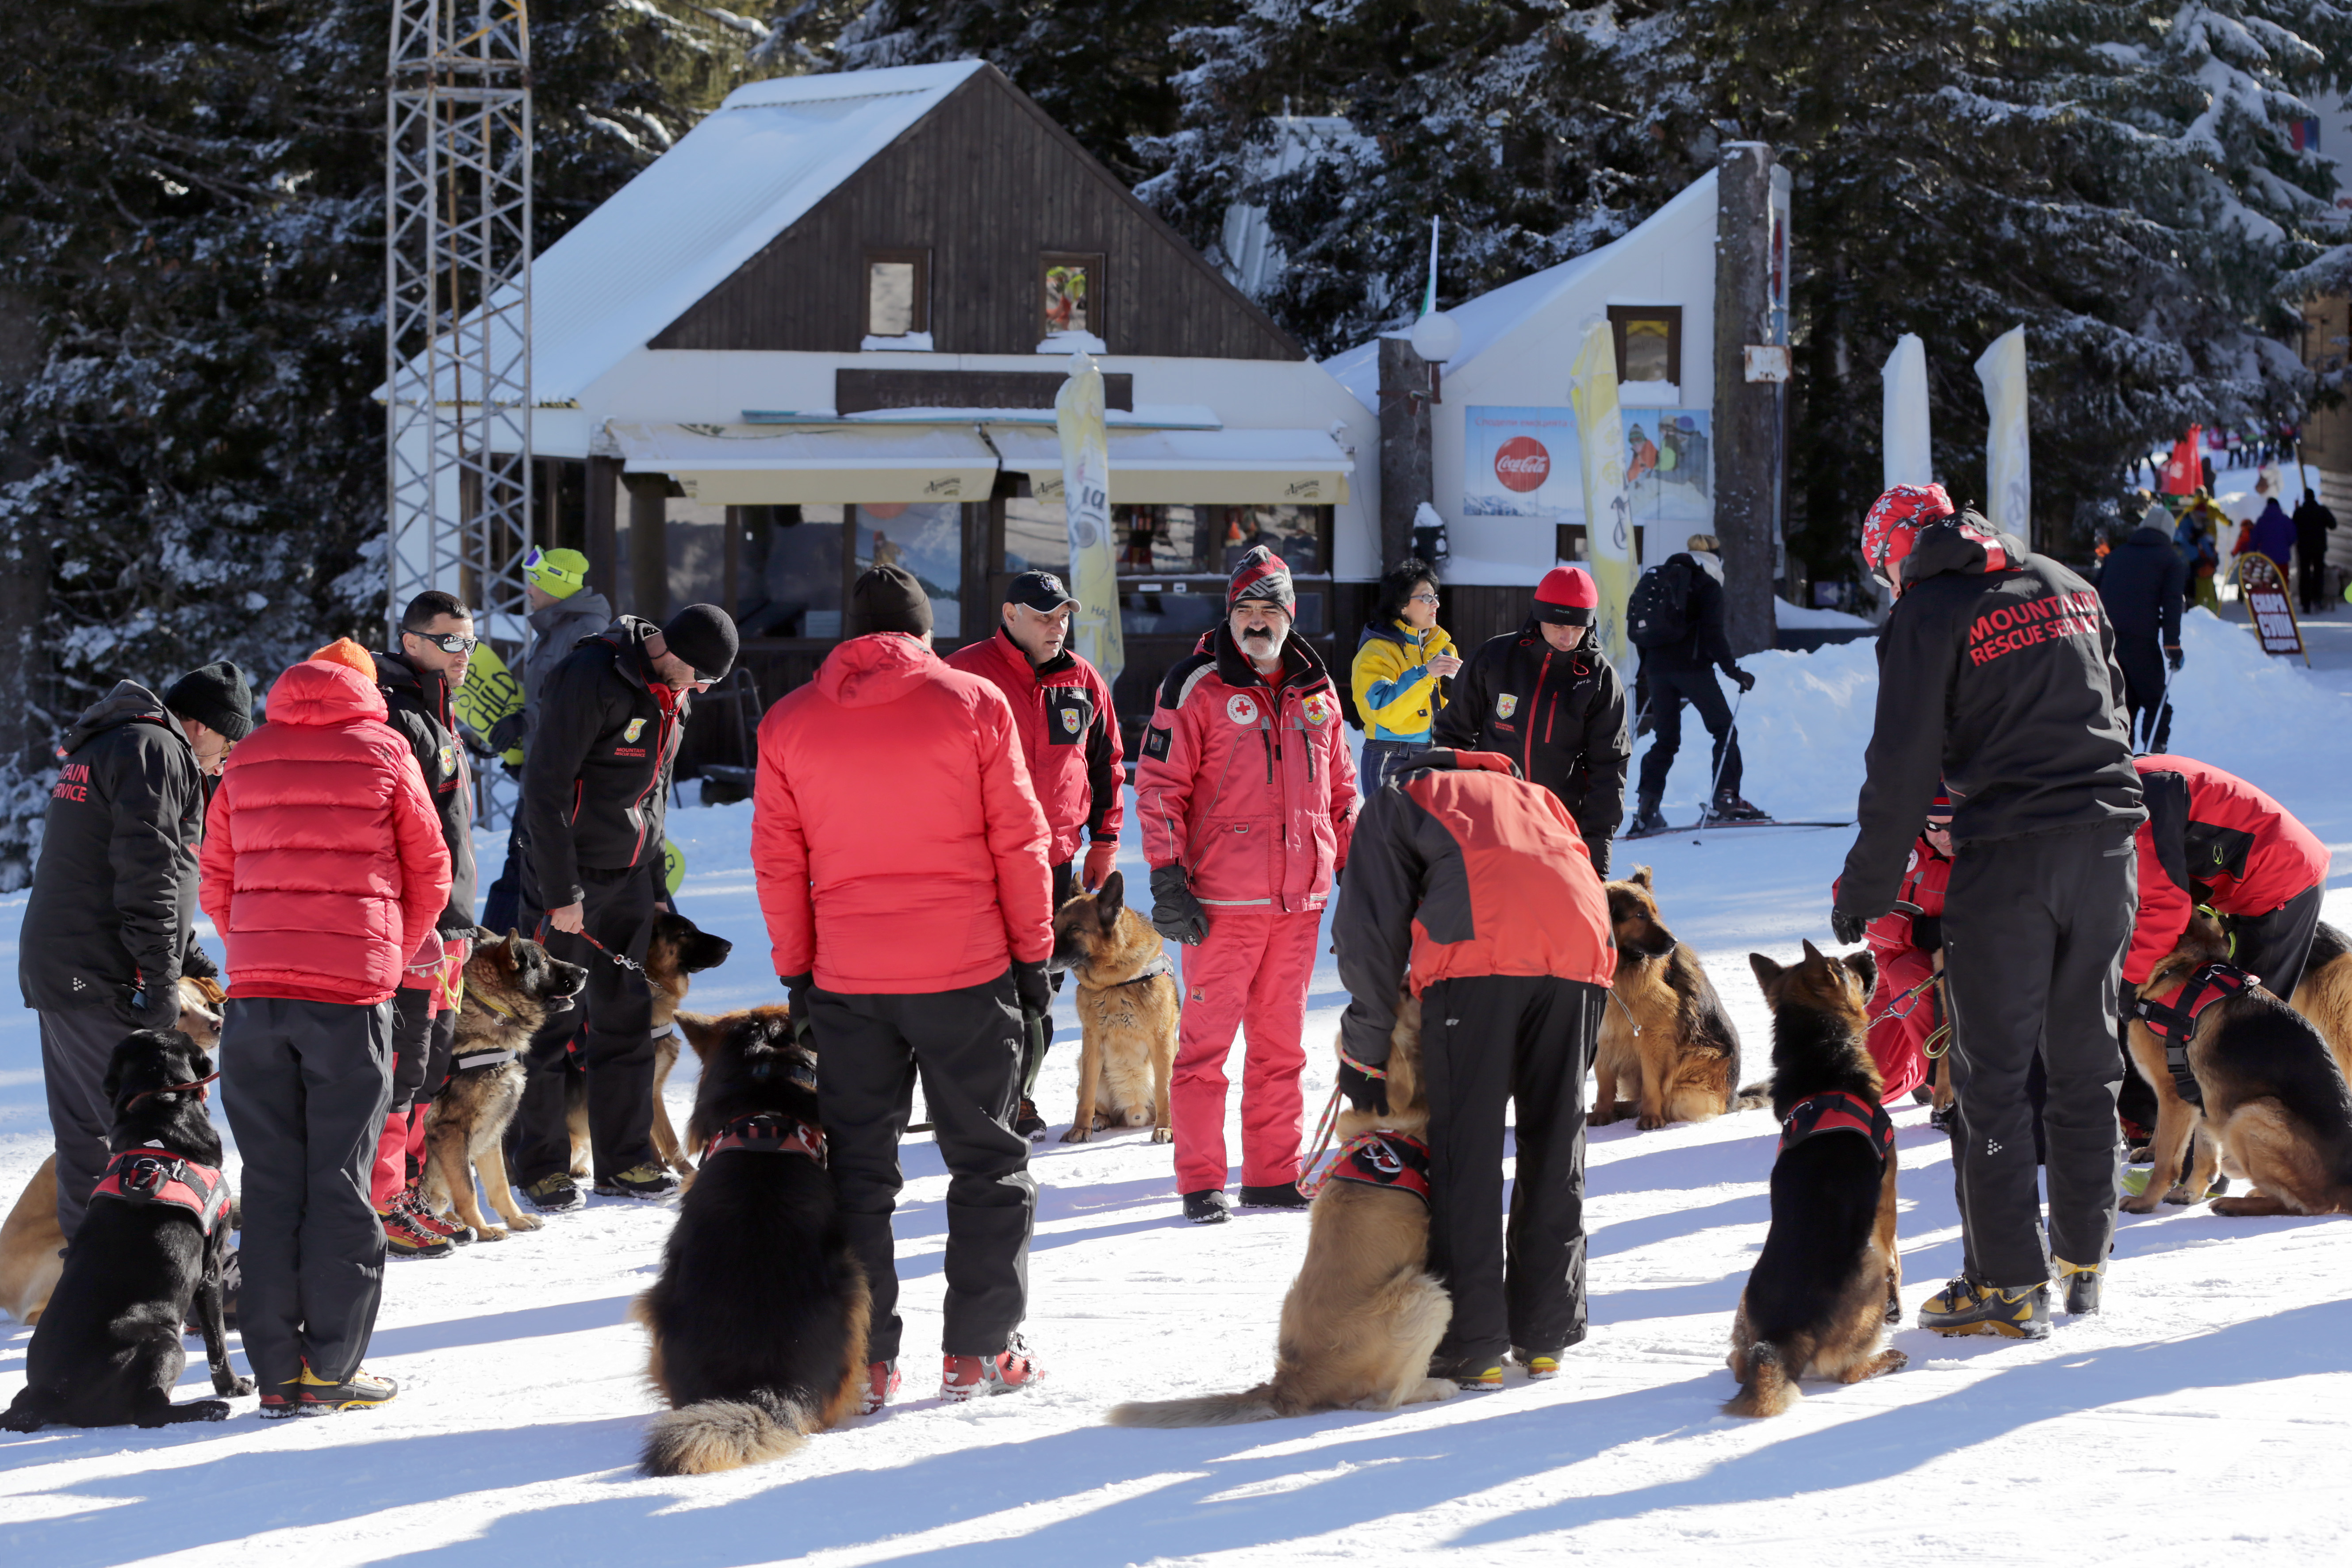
(1128, 1003)
(676, 951)
(1365, 1314)
(759, 1319)
(1665, 1033)
(1829, 1277)
(2276, 1109)
(510, 981)
(108, 1350)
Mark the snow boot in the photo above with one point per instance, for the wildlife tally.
(1278, 1196)
(881, 1383)
(1474, 1374)
(554, 1195)
(363, 1390)
(1964, 1307)
(1006, 1371)
(1730, 808)
(638, 1182)
(1207, 1206)
(1027, 1122)
(411, 1202)
(1540, 1364)
(2082, 1282)
(405, 1238)
(1647, 818)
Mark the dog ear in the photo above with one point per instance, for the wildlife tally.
(1641, 876)
(1865, 965)
(1108, 901)
(1766, 972)
(1812, 953)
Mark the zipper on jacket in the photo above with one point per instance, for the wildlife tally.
(1528, 751)
(661, 746)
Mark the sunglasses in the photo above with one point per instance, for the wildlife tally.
(450, 642)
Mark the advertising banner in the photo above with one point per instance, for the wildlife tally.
(1086, 497)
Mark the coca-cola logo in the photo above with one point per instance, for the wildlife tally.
(1522, 464)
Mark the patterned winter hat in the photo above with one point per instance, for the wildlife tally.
(1263, 575)
(1894, 524)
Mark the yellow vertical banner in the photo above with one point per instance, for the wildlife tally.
(1601, 446)
(1085, 499)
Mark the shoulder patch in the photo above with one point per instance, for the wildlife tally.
(1155, 743)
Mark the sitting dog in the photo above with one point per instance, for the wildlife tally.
(2324, 994)
(2274, 1105)
(509, 983)
(109, 1351)
(1364, 1315)
(759, 1319)
(1828, 1276)
(1127, 1005)
(676, 951)
(1663, 1031)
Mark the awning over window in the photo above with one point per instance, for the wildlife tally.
(768, 465)
(1298, 468)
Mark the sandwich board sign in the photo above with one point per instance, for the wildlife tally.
(2268, 606)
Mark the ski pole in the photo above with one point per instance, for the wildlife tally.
(2160, 715)
(1730, 739)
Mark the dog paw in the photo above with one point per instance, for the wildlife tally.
(238, 1388)
(1077, 1133)
(2181, 1196)
(488, 1233)
(1163, 1136)
(1893, 1360)
(1645, 1123)
(1433, 1389)
(525, 1222)
(211, 1409)
(2139, 1203)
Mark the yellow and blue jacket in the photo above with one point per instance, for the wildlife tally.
(1396, 695)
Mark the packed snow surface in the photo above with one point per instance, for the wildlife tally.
(2209, 1409)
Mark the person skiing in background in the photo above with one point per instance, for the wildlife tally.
(2313, 523)
(2143, 585)
(1544, 697)
(2272, 533)
(1683, 644)
(1996, 673)
(1403, 659)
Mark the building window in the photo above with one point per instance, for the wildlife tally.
(925, 538)
(1649, 342)
(897, 293)
(789, 582)
(1073, 301)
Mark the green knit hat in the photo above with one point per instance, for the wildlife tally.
(558, 573)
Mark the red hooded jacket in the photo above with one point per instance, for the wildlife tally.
(1069, 737)
(895, 838)
(2212, 838)
(323, 863)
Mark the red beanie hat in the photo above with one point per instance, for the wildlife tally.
(1263, 575)
(1566, 598)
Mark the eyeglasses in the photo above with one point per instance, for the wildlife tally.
(1424, 599)
(450, 642)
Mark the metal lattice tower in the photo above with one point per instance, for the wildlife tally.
(458, 178)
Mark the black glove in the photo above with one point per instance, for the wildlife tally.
(797, 995)
(1598, 850)
(198, 963)
(507, 733)
(1034, 988)
(1927, 933)
(163, 1002)
(1175, 912)
(1742, 678)
(1364, 1091)
(1847, 928)
(2172, 656)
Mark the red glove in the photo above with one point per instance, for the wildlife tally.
(1102, 858)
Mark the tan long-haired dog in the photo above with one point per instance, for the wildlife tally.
(1664, 1034)
(511, 984)
(1364, 1315)
(1127, 1005)
(2324, 994)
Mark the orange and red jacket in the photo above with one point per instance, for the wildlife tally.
(1904, 946)
(896, 842)
(1069, 737)
(1250, 788)
(1464, 868)
(2212, 838)
(323, 864)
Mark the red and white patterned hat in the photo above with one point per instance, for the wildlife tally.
(1894, 524)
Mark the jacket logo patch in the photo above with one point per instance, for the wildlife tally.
(1318, 707)
(628, 750)
(637, 728)
(1506, 705)
(1073, 721)
(448, 760)
(1241, 709)
(1155, 743)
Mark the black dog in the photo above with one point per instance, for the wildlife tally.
(759, 1318)
(108, 1352)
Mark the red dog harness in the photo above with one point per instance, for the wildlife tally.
(2175, 1022)
(1381, 1158)
(1835, 1111)
(152, 1175)
(767, 1132)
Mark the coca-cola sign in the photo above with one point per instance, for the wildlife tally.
(1522, 464)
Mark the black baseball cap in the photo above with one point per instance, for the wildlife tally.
(1041, 591)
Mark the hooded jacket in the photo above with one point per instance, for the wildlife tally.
(1559, 717)
(1250, 788)
(1396, 694)
(556, 631)
(895, 841)
(417, 705)
(114, 892)
(323, 861)
(1069, 737)
(2142, 586)
(596, 788)
(2272, 535)
(1996, 672)
(2212, 838)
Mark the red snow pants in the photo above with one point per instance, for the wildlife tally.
(1250, 974)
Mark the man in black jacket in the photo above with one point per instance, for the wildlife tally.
(2143, 585)
(602, 748)
(1684, 671)
(107, 928)
(1995, 670)
(2313, 523)
(1544, 697)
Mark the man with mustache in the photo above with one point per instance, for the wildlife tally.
(1247, 794)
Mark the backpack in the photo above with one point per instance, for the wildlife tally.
(1658, 614)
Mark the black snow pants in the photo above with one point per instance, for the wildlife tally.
(967, 1045)
(2034, 931)
(1485, 1040)
(1669, 690)
(618, 1050)
(1041, 1030)
(306, 1084)
(2142, 660)
(538, 1139)
(77, 1047)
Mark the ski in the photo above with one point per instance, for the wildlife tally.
(1718, 826)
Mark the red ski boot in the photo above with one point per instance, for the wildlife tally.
(1003, 1373)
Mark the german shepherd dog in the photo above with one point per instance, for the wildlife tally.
(1828, 1276)
(1663, 1033)
(1127, 1005)
(677, 951)
(509, 983)
(2324, 994)
(31, 1245)
(2276, 1109)
(1364, 1315)
(109, 1351)
(759, 1318)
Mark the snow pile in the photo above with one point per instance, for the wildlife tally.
(1803, 733)
(1789, 617)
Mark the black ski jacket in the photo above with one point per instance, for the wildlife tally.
(2142, 586)
(419, 704)
(114, 892)
(2313, 523)
(1707, 642)
(1560, 717)
(601, 749)
(1996, 672)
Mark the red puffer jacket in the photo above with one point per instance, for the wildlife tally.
(1069, 737)
(323, 862)
(2212, 838)
(1252, 790)
(895, 841)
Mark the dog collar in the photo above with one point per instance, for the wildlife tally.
(484, 1059)
(1152, 970)
(1835, 1111)
(153, 1175)
(767, 1132)
(2174, 1021)
(469, 994)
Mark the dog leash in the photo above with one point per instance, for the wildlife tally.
(174, 1089)
(1624, 1009)
(620, 959)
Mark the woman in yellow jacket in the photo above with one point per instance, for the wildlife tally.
(1403, 661)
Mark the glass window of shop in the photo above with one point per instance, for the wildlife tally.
(1173, 543)
(926, 538)
(790, 584)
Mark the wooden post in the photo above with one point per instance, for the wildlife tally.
(648, 546)
(603, 549)
(1747, 434)
(1405, 478)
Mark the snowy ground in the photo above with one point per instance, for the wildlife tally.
(2206, 1408)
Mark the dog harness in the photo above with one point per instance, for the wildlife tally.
(767, 1132)
(152, 1175)
(1381, 1158)
(2174, 1022)
(483, 1060)
(1835, 1111)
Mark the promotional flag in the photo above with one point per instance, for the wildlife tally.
(2182, 474)
(1608, 516)
(1904, 452)
(2009, 472)
(1085, 499)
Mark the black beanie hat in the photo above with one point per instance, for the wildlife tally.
(887, 599)
(214, 694)
(704, 637)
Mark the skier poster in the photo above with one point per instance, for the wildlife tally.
(1086, 497)
(2009, 472)
(1516, 464)
(1609, 532)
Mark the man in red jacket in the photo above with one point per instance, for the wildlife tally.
(1905, 1007)
(901, 859)
(1069, 738)
(324, 868)
(1477, 885)
(1245, 794)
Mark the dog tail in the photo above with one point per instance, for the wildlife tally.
(715, 1435)
(1755, 1097)
(1770, 1390)
(1210, 1410)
